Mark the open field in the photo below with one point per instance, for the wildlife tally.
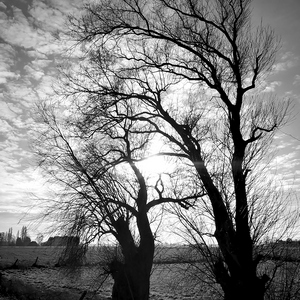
(167, 281)
(47, 256)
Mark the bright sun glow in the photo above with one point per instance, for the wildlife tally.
(156, 164)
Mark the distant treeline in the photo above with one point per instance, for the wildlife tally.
(23, 239)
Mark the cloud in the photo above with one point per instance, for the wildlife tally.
(19, 185)
(296, 80)
(22, 93)
(23, 32)
(41, 63)
(285, 163)
(10, 219)
(36, 54)
(2, 5)
(45, 17)
(69, 6)
(8, 111)
(271, 86)
(36, 74)
(288, 60)
(45, 87)
(17, 30)
(5, 76)
(283, 160)
(28, 53)
(7, 56)
(3, 17)
(5, 127)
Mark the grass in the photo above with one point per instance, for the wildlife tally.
(47, 256)
(167, 280)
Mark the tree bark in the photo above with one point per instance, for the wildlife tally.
(131, 281)
(132, 275)
(247, 287)
(238, 279)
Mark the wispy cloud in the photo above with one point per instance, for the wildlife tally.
(287, 60)
(297, 80)
(7, 56)
(27, 71)
(270, 87)
(8, 111)
(286, 162)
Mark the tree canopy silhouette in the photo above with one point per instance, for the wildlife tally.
(185, 72)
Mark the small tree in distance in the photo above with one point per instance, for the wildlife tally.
(24, 236)
(19, 242)
(23, 233)
(39, 238)
(7, 238)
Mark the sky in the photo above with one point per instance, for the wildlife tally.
(31, 45)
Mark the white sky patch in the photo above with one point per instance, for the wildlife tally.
(297, 80)
(270, 87)
(17, 31)
(22, 94)
(5, 127)
(34, 73)
(7, 54)
(5, 76)
(45, 88)
(285, 163)
(292, 95)
(8, 111)
(11, 165)
(287, 61)
(54, 47)
(279, 159)
(3, 17)
(279, 135)
(41, 63)
(283, 146)
(46, 17)
(2, 5)
(68, 6)
(18, 186)
(36, 54)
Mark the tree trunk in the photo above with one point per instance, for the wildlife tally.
(131, 279)
(132, 275)
(252, 289)
(244, 285)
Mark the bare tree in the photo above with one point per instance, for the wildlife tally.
(272, 219)
(191, 70)
(91, 154)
